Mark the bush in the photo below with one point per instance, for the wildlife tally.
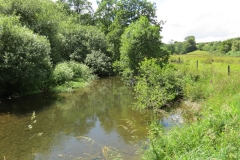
(63, 73)
(24, 57)
(87, 73)
(234, 53)
(157, 86)
(76, 68)
(78, 41)
(81, 70)
(99, 63)
(67, 71)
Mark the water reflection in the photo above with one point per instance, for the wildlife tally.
(76, 125)
(99, 112)
(174, 119)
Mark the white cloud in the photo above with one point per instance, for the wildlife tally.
(207, 20)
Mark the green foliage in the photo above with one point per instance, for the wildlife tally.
(114, 16)
(156, 86)
(24, 57)
(78, 41)
(114, 38)
(67, 71)
(225, 47)
(99, 63)
(234, 53)
(213, 131)
(170, 47)
(190, 44)
(105, 14)
(63, 73)
(236, 45)
(76, 68)
(140, 40)
(200, 46)
(187, 46)
(179, 47)
(41, 16)
(81, 9)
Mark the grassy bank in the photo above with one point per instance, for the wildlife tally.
(71, 85)
(214, 132)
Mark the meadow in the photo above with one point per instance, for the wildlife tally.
(213, 131)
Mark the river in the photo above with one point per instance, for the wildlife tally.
(95, 122)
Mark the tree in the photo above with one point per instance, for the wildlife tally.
(114, 16)
(200, 46)
(156, 85)
(41, 16)
(236, 45)
(77, 41)
(190, 44)
(179, 47)
(24, 58)
(170, 47)
(225, 46)
(83, 8)
(140, 40)
(99, 63)
(105, 14)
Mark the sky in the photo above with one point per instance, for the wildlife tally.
(207, 20)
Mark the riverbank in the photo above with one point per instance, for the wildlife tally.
(214, 131)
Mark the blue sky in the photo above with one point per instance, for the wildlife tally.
(207, 20)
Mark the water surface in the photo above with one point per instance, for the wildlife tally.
(95, 122)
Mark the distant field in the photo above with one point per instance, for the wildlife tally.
(207, 61)
(199, 53)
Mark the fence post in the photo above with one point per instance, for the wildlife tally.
(197, 65)
(179, 60)
(228, 69)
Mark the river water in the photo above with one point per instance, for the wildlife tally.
(95, 122)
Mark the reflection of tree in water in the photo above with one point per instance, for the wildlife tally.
(111, 100)
(75, 114)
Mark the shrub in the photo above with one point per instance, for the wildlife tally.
(87, 73)
(78, 41)
(157, 86)
(99, 63)
(67, 71)
(24, 57)
(76, 68)
(81, 70)
(63, 73)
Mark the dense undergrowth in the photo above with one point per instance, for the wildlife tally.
(214, 131)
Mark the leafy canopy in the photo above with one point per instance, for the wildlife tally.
(140, 40)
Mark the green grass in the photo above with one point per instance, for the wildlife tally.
(199, 53)
(71, 85)
(214, 131)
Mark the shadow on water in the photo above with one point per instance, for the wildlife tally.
(75, 125)
(91, 123)
(26, 104)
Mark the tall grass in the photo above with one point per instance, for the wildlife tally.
(215, 133)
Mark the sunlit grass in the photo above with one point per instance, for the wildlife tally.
(71, 85)
(215, 133)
